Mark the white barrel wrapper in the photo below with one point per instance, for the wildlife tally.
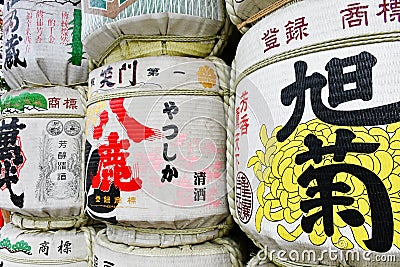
(337, 74)
(107, 21)
(42, 43)
(155, 144)
(41, 134)
(220, 253)
(72, 248)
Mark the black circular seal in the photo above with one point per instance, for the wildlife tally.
(72, 128)
(54, 127)
(243, 198)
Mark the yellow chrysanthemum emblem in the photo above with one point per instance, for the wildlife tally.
(279, 194)
(206, 76)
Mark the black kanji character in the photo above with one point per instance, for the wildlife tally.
(381, 209)
(362, 77)
(64, 247)
(44, 248)
(153, 71)
(298, 90)
(106, 74)
(199, 178)
(11, 157)
(199, 194)
(12, 53)
(364, 62)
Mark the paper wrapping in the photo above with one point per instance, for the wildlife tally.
(41, 139)
(206, 254)
(42, 43)
(155, 144)
(318, 82)
(104, 22)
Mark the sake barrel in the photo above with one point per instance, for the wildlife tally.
(41, 136)
(220, 252)
(42, 43)
(156, 142)
(315, 134)
(72, 248)
(114, 31)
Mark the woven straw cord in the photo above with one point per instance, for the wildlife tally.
(227, 246)
(234, 252)
(230, 174)
(28, 84)
(83, 90)
(149, 38)
(179, 91)
(264, 12)
(225, 33)
(49, 223)
(223, 74)
(89, 234)
(40, 115)
(32, 262)
(223, 229)
(353, 41)
(230, 8)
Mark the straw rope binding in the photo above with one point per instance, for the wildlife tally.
(264, 12)
(50, 223)
(234, 252)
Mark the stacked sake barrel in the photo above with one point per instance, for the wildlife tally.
(316, 177)
(41, 135)
(155, 133)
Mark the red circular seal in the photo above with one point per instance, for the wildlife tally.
(243, 197)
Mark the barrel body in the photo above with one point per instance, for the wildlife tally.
(41, 143)
(155, 144)
(114, 32)
(42, 43)
(305, 99)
